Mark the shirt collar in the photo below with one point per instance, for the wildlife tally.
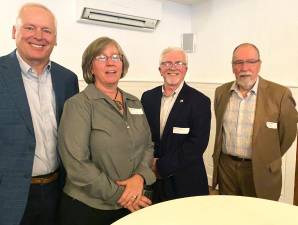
(253, 90)
(93, 93)
(26, 68)
(176, 92)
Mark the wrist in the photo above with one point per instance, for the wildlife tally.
(139, 176)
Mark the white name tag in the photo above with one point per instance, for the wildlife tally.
(271, 125)
(136, 111)
(180, 130)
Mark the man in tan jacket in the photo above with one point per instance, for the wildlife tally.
(256, 123)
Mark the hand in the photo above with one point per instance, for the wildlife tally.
(142, 203)
(154, 168)
(133, 190)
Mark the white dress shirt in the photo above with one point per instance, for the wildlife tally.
(41, 99)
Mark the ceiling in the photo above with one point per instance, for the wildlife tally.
(189, 2)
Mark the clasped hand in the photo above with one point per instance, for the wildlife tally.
(132, 198)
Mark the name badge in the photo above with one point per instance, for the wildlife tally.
(271, 125)
(180, 130)
(136, 111)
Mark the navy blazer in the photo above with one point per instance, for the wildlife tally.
(180, 163)
(17, 139)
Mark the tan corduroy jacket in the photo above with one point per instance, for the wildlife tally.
(275, 104)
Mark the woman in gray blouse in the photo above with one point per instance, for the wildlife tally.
(104, 142)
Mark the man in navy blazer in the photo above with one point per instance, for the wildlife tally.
(179, 118)
(32, 91)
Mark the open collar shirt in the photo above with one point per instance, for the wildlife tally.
(42, 104)
(238, 122)
(166, 106)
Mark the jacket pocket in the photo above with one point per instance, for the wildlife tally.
(275, 166)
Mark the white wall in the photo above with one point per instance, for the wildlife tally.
(142, 48)
(220, 25)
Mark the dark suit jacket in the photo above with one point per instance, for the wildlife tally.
(275, 104)
(17, 139)
(180, 163)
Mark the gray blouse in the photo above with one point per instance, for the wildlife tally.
(98, 145)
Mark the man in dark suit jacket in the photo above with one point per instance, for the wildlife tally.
(179, 118)
(256, 123)
(32, 91)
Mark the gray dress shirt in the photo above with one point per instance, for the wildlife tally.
(99, 145)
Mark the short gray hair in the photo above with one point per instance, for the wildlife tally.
(172, 49)
(33, 4)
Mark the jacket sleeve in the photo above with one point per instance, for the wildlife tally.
(73, 143)
(75, 85)
(193, 146)
(287, 121)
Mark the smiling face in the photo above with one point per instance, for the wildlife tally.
(107, 73)
(173, 68)
(246, 66)
(35, 34)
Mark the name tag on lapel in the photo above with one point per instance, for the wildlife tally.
(136, 111)
(180, 130)
(271, 125)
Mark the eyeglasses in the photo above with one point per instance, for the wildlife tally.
(242, 62)
(168, 64)
(104, 58)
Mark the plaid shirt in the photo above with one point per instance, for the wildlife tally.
(238, 122)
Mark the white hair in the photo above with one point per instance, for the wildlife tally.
(33, 4)
(172, 49)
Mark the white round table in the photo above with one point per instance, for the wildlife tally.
(214, 210)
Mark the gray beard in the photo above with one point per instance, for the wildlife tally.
(245, 84)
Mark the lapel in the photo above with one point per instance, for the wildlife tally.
(260, 110)
(177, 107)
(58, 87)
(222, 102)
(12, 79)
(156, 109)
